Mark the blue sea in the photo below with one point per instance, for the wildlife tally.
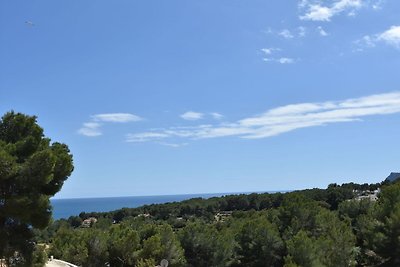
(64, 208)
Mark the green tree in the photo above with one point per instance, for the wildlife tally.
(123, 246)
(385, 227)
(152, 248)
(39, 256)
(32, 169)
(206, 246)
(391, 245)
(335, 240)
(297, 212)
(354, 208)
(96, 243)
(161, 243)
(70, 245)
(146, 263)
(337, 194)
(75, 221)
(302, 251)
(171, 248)
(260, 244)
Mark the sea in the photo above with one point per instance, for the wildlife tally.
(64, 208)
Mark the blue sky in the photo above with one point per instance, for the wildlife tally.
(173, 97)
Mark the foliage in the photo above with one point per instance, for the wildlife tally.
(260, 244)
(205, 245)
(32, 169)
(309, 228)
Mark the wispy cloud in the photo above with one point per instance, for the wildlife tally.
(316, 12)
(286, 60)
(90, 129)
(116, 117)
(216, 115)
(93, 127)
(282, 119)
(269, 56)
(286, 34)
(192, 116)
(293, 33)
(146, 136)
(321, 31)
(377, 4)
(269, 51)
(363, 43)
(281, 60)
(173, 145)
(391, 37)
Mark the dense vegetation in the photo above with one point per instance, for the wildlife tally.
(307, 228)
(32, 169)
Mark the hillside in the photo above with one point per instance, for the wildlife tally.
(393, 176)
(314, 227)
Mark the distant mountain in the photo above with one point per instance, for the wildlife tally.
(393, 176)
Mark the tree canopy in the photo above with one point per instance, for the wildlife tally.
(32, 169)
(309, 228)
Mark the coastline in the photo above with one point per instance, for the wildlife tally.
(66, 207)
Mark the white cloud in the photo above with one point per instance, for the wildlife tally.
(377, 5)
(270, 58)
(116, 117)
(317, 12)
(321, 31)
(90, 129)
(303, 3)
(192, 116)
(365, 42)
(390, 37)
(269, 51)
(93, 128)
(283, 119)
(286, 60)
(146, 136)
(370, 42)
(298, 32)
(281, 60)
(286, 34)
(174, 145)
(216, 115)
